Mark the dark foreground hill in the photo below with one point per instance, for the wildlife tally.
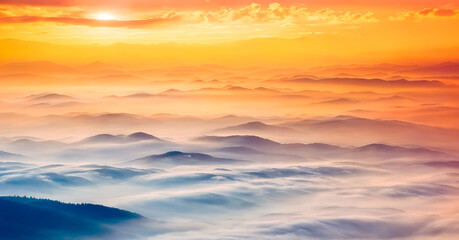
(24, 218)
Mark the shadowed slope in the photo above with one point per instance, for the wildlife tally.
(176, 158)
(31, 218)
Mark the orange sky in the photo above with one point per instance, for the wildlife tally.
(355, 29)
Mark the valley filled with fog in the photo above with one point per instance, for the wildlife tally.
(210, 152)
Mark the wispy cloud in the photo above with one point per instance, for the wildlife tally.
(275, 12)
(254, 13)
(92, 22)
(426, 14)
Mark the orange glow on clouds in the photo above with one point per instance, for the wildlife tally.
(357, 30)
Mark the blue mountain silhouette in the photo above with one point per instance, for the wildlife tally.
(24, 218)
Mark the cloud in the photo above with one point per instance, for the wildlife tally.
(8, 10)
(6, 166)
(358, 229)
(304, 172)
(275, 12)
(426, 13)
(425, 190)
(281, 173)
(148, 4)
(190, 179)
(107, 172)
(46, 180)
(254, 13)
(92, 22)
(73, 15)
(66, 180)
(196, 204)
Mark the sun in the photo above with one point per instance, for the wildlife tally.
(104, 16)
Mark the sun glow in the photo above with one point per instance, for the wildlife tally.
(104, 16)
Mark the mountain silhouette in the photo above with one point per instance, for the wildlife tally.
(11, 156)
(257, 127)
(109, 138)
(177, 158)
(25, 218)
(37, 67)
(50, 97)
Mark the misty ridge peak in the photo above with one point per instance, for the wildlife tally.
(36, 67)
(254, 124)
(51, 97)
(139, 95)
(178, 154)
(256, 128)
(171, 91)
(240, 140)
(41, 63)
(142, 136)
(178, 158)
(109, 116)
(109, 138)
(102, 137)
(98, 65)
(345, 117)
(380, 146)
(404, 151)
(13, 156)
(173, 154)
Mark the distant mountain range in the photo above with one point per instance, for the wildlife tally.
(366, 82)
(320, 150)
(342, 72)
(367, 131)
(362, 131)
(446, 68)
(257, 127)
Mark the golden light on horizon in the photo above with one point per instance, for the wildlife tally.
(299, 35)
(104, 16)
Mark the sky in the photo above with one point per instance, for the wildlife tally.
(330, 31)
